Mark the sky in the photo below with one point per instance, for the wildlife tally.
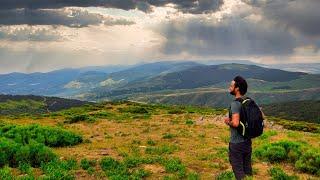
(41, 36)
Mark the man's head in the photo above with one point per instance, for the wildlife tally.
(238, 86)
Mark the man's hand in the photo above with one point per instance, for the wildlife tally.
(227, 120)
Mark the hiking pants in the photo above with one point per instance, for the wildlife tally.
(240, 158)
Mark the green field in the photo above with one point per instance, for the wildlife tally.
(126, 140)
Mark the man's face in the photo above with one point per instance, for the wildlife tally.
(232, 88)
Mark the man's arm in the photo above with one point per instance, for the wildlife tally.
(234, 122)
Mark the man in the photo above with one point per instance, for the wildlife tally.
(239, 147)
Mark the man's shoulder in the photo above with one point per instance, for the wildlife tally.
(235, 103)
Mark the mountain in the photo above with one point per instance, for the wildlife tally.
(201, 76)
(37, 83)
(150, 70)
(312, 68)
(72, 82)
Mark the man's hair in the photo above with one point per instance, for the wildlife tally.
(241, 83)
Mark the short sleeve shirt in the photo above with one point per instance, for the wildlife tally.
(235, 137)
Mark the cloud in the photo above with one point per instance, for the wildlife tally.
(71, 17)
(231, 36)
(300, 15)
(29, 33)
(189, 6)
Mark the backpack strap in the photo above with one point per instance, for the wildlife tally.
(243, 101)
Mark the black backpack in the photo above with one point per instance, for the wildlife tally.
(251, 119)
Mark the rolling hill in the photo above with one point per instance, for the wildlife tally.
(30, 104)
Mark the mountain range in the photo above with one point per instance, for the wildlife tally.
(174, 82)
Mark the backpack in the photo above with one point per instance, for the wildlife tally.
(251, 119)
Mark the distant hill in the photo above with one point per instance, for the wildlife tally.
(200, 76)
(296, 110)
(215, 97)
(71, 82)
(30, 104)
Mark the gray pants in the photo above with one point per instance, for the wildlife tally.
(240, 158)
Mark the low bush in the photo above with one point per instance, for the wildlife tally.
(13, 154)
(118, 170)
(279, 151)
(86, 164)
(309, 162)
(50, 136)
(79, 118)
(134, 110)
(58, 170)
(226, 175)
(277, 173)
(175, 165)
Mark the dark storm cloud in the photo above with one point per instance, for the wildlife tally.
(300, 15)
(66, 17)
(191, 6)
(232, 36)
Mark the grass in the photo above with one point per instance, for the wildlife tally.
(140, 141)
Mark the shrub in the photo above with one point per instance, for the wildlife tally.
(86, 164)
(309, 162)
(193, 176)
(57, 170)
(275, 154)
(175, 165)
(175, 111)
(13, 154)
(113, 168)
(277, 173)
(189, 122)
(168, 136)
(226, 175)
(117, 170)
(50, 136)
(134, 110)
(279, 151)
(25, 168)
(151, 142)
(80, 118)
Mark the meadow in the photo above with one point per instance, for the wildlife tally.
(127, 140)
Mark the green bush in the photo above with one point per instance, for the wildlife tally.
(134, 110)
(189, 122)
(175, 165)
(279, 151)
(79, 118)
(168, 136)
(25, 168)
(309, 162)
(226, 175)
(13, 154)
(58, 170)
(113, 168)
(5, 174)
(275, 154)
(118, 170)
(86, 164)
(175, 111)
(50, 136)
(277, 173)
